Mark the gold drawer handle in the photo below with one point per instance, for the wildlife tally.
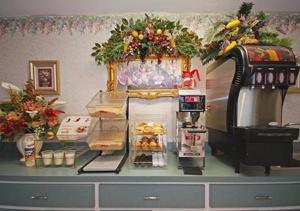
(39, 197)
(153, 198)
(263, 197)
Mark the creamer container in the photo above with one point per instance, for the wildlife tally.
(29, 151)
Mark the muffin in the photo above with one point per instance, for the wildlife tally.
(145, 146)
(145, 139)
(138, 144)
(153, 145)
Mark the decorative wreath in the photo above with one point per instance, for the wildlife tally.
(145, 37)
(241, 29)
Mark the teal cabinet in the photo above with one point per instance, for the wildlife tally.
(254, 195)
(151, 196)
(47, 195)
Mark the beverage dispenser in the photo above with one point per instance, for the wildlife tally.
(245, 94)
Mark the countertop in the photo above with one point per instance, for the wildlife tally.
(217, 169)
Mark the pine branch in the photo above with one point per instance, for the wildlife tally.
(245, 9)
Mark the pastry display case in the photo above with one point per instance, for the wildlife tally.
(148, 142)
(109, 136)
(108, 105)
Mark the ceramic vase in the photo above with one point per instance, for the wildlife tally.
(20, 142)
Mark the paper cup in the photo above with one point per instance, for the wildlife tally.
(58, 157)
(70, 157)
(47, 156)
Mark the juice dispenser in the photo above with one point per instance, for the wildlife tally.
(246, 90)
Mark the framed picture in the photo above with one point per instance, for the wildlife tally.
(148, 79)
(45, 76)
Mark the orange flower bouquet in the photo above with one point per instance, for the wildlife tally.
(27, 112)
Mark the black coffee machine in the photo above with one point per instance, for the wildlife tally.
(245, 94)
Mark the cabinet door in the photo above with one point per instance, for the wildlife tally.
(151, 196)
(254, 195)
(47, 195)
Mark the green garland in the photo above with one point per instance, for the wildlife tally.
(145, 37)
(241, 29)
(150, 36)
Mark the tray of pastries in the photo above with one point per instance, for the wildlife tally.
(156, 159)
(149, 143)
(149, 128)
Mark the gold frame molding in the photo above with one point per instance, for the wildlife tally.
(145, 93)
(48, 65)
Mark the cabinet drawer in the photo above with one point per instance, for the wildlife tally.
(151, 196)
(254, 195)
(47, 195)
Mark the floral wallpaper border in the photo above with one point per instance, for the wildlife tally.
(282, 22)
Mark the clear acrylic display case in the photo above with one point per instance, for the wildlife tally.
(110, 132)
(148, 146)
(108, 135)
(108, 105)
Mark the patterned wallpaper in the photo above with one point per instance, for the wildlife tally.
(282, 22)
(70, 39)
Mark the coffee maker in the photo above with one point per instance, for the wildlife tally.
(246, 89)
(190, 132)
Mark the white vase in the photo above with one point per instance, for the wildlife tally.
(28, 137)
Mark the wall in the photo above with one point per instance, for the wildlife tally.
(91, 7)
(71, 44)
(80, 77)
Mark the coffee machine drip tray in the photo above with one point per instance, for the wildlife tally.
(187, 125)
(259, 134)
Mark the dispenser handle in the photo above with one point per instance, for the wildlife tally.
(39, 197)
(263, 197)
(152, 198)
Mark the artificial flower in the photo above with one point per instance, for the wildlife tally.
(242, 29)
(27, 112)
(30, 105)
(151, 36)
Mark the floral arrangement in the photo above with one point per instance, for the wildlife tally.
(144, 37)
(27, 112)
(241, 29)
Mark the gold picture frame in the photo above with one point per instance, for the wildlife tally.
(144, 90)
(45, 76)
